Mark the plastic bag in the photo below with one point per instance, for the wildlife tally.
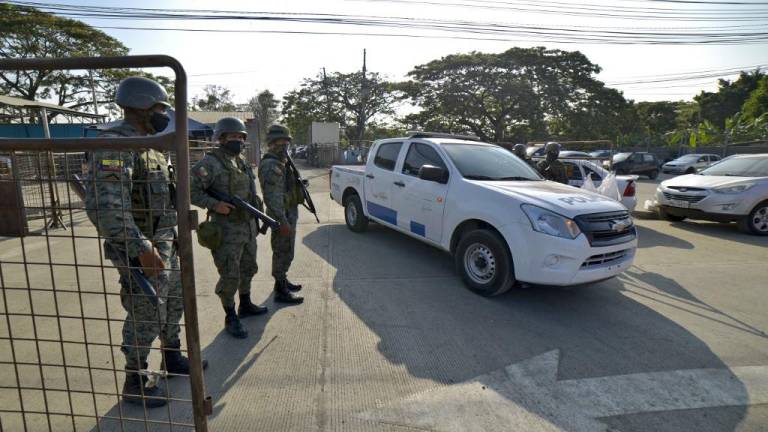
(589, 185)
(610, 187)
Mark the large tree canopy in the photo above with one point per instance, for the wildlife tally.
(513, 95)
(729, 98)
(28, 32)
(351, 99)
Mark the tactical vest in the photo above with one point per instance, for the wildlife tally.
(293, 196)
(151, 202)
(240, 183)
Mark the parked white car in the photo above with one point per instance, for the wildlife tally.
(689, 164)
(578, 170)
(498, 218)
(735, 190)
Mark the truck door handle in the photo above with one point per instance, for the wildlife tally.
(399, 183)
(370, 176)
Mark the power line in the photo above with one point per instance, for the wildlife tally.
(448, 29)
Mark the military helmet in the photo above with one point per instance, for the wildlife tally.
(276, 132)
(229, 125)
(519, 150)
(552, 147)
(141, 93)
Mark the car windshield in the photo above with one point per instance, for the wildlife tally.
(687, 158)
(739, 167)
(621, 157)
(485, 162)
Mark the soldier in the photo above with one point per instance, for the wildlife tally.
(551, 168)
(519, 151)
(128, 199)
(226, 171)
(282, 197)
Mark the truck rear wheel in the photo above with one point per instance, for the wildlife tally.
(484, 262)
(354, 215)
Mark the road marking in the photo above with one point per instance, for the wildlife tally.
(527, 396)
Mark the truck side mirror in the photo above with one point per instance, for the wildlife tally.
(433, 173)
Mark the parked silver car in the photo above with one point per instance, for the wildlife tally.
(735, 190)
(689, 164)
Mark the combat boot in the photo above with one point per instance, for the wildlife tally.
(233, 325)
(136, 392)
(285, 295)
(175, 363)
(247, 308)
(292, 287)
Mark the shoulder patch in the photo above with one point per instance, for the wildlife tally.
(202, 171)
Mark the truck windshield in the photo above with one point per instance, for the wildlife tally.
(484, 162)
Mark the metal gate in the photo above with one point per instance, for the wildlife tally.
(61, 316)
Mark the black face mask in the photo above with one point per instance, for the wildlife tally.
(552, 156)
(159, 121)
(233, 146)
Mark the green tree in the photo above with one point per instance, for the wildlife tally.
(512, 96)
(265, 111)
(353, 100)
(214, 98)
(757, 103)
(28, 32)
(729, 98)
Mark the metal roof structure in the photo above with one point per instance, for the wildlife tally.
(20, 103)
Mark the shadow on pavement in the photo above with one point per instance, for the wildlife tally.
(722, 231)
(228, 359)
(648, 238)
(426, 321)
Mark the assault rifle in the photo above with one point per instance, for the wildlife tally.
(302, 184)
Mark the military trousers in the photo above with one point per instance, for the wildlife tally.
(283, 248)
(145, 321)
(236, 262)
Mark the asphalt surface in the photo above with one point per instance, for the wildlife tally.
(389, 339)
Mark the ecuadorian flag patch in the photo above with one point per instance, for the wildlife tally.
(111, 165)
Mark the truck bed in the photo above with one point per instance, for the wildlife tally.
(352, 169)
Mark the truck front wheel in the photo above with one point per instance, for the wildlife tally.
(484, 262)
(353, 213)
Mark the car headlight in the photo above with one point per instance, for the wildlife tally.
(734, 189)
(547, 222)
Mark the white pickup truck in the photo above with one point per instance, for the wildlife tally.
(500, 220)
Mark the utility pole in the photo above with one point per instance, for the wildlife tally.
(364, 92)
(93, 93)
(327, 97)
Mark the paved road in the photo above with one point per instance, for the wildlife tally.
(389, 340)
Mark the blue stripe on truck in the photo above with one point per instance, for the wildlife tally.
(380, 212)
(418, 229)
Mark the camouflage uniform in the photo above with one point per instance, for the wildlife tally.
(553, 170)
(235, 259)
(128, 198)
(281, 198)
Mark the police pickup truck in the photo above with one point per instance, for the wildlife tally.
(499, 219)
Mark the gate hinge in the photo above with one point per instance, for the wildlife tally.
(192, 217)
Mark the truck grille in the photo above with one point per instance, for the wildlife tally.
(607, 229)
(606, 258)
(683, 197)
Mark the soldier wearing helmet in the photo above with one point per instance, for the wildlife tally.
(282, 198)
(519, 150)
(550, 167)
(128, 199)
(229, 232)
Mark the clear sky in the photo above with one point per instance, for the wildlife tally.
(249, 62)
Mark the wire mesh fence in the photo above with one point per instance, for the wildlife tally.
(90, 335)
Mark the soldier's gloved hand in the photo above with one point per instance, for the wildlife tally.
(223, 208)
(151, 262)
(285, 230)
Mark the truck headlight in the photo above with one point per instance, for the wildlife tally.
(547, 222)
(734, 189)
